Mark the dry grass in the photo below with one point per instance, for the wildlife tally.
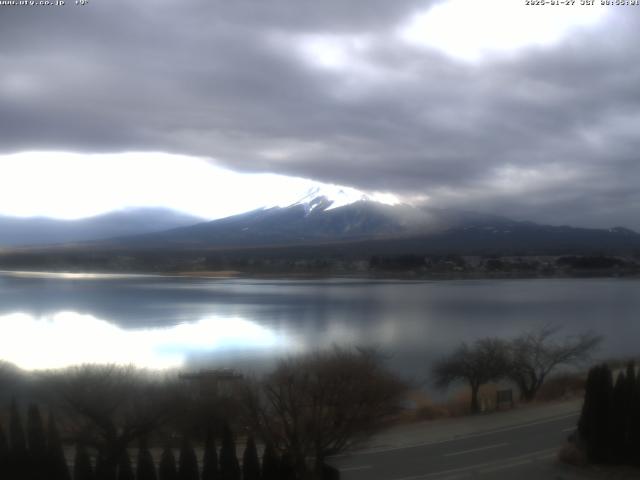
(572, 455)
(457, 405)
(431, 412)
(562, 387)
(422, 408)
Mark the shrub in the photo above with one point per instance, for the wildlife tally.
(57, 463)
(608, 429)
(210, 459)
(431, 412)
(188, 464)
(270, 464)
(250, 462)
(145, 468)
(229, 467)
(167, 468)
(562, 386)
(125, 471)
(82, 469)
(572, 455)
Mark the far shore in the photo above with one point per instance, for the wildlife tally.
(300, 275)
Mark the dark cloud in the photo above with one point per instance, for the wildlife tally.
(546, 134)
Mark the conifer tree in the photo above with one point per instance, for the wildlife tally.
(270, 464)
(125, 470)
(58, 468)
(167, 468)
(250, 462)
(604, 418)
(287, 469)
(37, 444)
(329, 472)
(229, 467)
(594, 424)
(188, 463)
(105, 470)
(586, 422)
(36, 438)
(630, 374)
(4, 454)
(145, 468)
(100, 472)
(634, 453)
(18, 461)
(618, 423)
(18, 443)
(210, 460)
(629, 399)
(82, 469)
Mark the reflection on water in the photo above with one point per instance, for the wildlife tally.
(69, 338)
(162, 322)
(71, 275)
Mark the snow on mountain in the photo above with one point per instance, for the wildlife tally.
(329, 197)
(324, 196)
(323, 213)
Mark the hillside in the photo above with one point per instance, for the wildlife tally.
(15, 231)
(362, 236)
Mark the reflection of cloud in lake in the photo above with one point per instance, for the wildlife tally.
(69, 338)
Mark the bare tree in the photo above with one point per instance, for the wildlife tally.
(483, 361)
(535, 354)
(322, 404)
(111, 406)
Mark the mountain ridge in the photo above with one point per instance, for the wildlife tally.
(34, 231)
(362, 237)
(317, 222)
(362, 226)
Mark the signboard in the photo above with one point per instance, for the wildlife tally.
(504, 398)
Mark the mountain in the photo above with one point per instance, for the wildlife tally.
(325, 235)
(368, 227)
(315, 220)
(16, 231)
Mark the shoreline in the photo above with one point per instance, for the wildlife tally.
(389, 276)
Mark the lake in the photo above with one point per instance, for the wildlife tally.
(163, 322)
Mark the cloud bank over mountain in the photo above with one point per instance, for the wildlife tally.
(527, 114)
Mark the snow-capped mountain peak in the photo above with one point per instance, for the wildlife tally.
(328, 197)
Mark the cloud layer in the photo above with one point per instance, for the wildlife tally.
(541, 128)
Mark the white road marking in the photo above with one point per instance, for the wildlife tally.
(479, 449)
(374, 451)
(353, 469)
(572, 429)
(517, 463)
(506, 463)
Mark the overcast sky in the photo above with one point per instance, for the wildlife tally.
(527, 111)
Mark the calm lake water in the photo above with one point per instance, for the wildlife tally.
(58, 320)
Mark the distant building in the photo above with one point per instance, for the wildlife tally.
(213, 383)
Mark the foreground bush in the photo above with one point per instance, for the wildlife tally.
(609, 425)
(37, 455)
(348, 391)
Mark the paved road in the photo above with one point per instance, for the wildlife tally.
(509, 452)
